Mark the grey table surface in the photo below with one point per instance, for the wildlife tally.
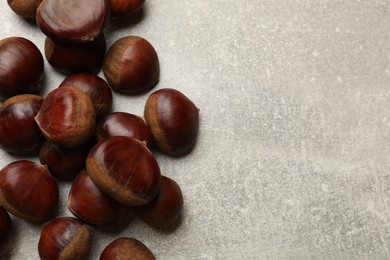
(292, 159)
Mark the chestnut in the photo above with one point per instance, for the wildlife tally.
(124, 124)
(73, 21)
(62, 162)
(131, 66)
(126, 248)
(67, 117)
(96, 88)
(5, 227)
(165, 208)
(21, 67)
(73, 58)
(24, 8)
(173, 120)
(125, 169)
(91, 205)
(121, 8)
(64, 238)
(28, 191)
(18, 130)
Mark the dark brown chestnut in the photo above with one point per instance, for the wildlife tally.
(67, 117)
(121, 8)
(64, 238)
(28, 191)
(62, 162)
(124, 124)
(25, 8)
(131, 66)
(126, 248)
(96, 88)
(165, 208)
(173, 120)
(73, 21)
(125, 169)
(21, 67)
(73, 58)
(91, 205)
(18, 130)
(5, 227)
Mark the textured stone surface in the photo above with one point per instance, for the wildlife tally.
(293, 157)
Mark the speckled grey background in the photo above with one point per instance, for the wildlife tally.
(292, 160)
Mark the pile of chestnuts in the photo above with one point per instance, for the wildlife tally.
(108, 155)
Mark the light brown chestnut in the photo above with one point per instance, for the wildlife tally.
(126, 248)
(67, 117)
(28, 191)
(5, 227)
(165, 208)
(91, 205)
(64, 238)
(73, 21)
(25, 8)
(121, 8)
(86, 57)
(21, 67)
(173, 120)
(131, 66)
(125, 169)
(18, 130)
(96, 88)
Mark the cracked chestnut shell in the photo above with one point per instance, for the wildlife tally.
(5, 227)
(86, 57)
(131, 66)
(126, 248)
(24, 8)
(121, 8)
(64, 238)
(18, 112)
(96, 88)
(73, 21)
(125, 169)
(28, 191)
(173, 120)
(67, 117)
(21, 67)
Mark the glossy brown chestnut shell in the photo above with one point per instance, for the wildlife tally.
(124, 124)
(121, 8)
(28, 191)
(24, 8)
(18, 129)
(131, 66)
(126, 248)
(91, 205)
(73, 21)
(5, 227)
(173, 120)
(62, 162)
(64, 238)
(125, 169)
(165, 208)
(86, 57)
(67, 117)
(21, 67)
(96, 88)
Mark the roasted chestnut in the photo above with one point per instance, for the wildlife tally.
(28, 191)
(21, 67)
(165, 208)
(126, 248)
(173, 120)
(73, 21)
(121, 8)
(86, 57)
(62, 162)
(131, 66)
(96, 88)
(5, 227)
(24, 8)
(67, 117)
(18, 130)
(125, 169)
(124, 124)
(64, 238)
